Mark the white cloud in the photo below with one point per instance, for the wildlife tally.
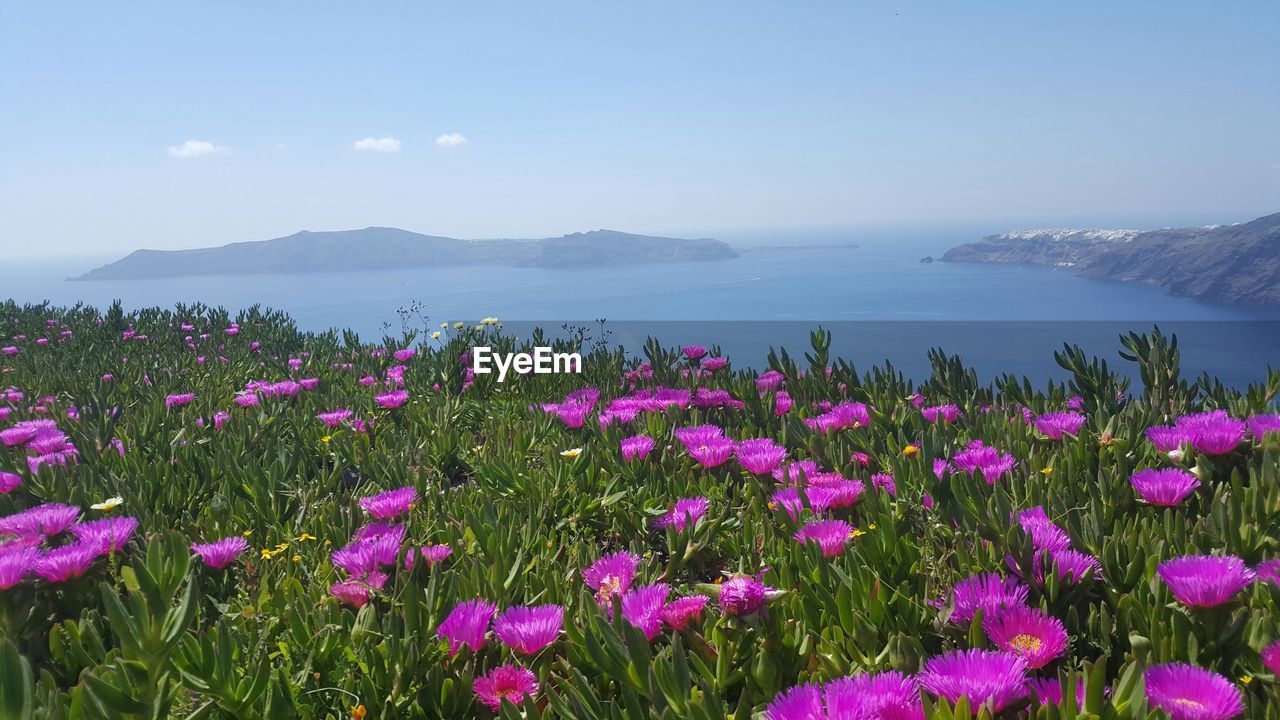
(378, 145)
(451, 140)
(197, 148)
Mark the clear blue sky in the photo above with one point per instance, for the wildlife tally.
(661, 117)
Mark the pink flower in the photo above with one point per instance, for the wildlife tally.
(682, 612)
(66, 562)
(830, 535)
(760, 456)
(393, 399)
(526, 630)
(432, 554)
(511, 683)
(221, 553)
(713, 452)
(642, 607)
(390, 504)
(467, 625)
(742, 595)
(686, 513)
(637, 447)
(611, 575)
(357, 592)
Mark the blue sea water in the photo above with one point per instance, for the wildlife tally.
(878, 299)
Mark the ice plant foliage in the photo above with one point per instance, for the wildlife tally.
(668, 533)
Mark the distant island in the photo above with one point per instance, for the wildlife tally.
(1237, 264)
(382, 248)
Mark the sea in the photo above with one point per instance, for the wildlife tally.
(873, 295)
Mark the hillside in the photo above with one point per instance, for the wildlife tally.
(378, 248)
(1237, 264)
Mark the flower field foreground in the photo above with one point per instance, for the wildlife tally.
(221, 517)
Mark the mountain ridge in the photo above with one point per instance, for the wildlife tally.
(1236, 264)
(381, 248)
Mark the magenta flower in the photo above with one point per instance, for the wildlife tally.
(16, 564)
(1167, 439)
(526, 630)
(9, 482)
(1188, 692)
(692, 437)
(770, 380)
(682, 612)
(1071, 565)
(944, 413)
(1028, 633)
(782, 403)
(987, 592)
(1049, 691)
(393, 399)
(390, 504)
(466, 625)
(1270, 657)
(788, 498)
(1056, 425)
(107, 534)
(511, 683)
(66, 562)
(1045, 535)
(843, 493)
(886, 695)
(637, 447)
(1260, 425)
(642, 607)
(796, 473)
(48, 520)
(432, 554)
(179, 400)
(977, 457)
(405, 355)
(713, 452)
(742, 595)
(694, 352)
(802, 702)
(760, 456)
(357, 592)
(1212, 433)
(1164, 487)
(334, 418)
(986, 677)
(1269, 572)
(686, 513)
(247, 400)
(220, 553)
(611, 575)
(713, 364)
(830, 535)
(852, 414)
(1205, 580)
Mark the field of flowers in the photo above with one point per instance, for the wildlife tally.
(210, 516)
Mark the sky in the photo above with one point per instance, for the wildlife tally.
(170, 125)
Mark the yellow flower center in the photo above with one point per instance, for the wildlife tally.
(609, 587)
(1187, 702)
(1025, 643)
